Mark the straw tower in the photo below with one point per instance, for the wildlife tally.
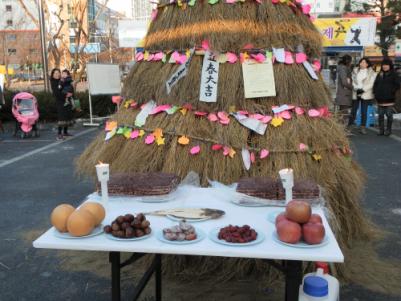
(232, 28)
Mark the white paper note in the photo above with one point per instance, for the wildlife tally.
(140, 119)
(258, 79)
(279, 54)
(310, 70)
(246, 158)
(251, 123)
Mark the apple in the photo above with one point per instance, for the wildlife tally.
(289, 231)
(281, 217)
(298, 211)
(315, 219)
(313, 233)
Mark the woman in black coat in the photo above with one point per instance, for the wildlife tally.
(64, 111)
(385, 88)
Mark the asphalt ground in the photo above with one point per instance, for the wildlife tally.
(38, 174)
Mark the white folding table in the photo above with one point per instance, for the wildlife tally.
(189, 196)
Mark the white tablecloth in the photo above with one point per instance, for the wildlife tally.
(190, 196)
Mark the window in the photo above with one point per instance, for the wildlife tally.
(72, 39)
(9, 22)
(33, 51)
(12, 51)
(9, 8)
(11, 37)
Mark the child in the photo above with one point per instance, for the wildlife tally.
(67, 88)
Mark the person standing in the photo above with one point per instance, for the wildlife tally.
(64, 112)
(385, 87)
(363, 79)
(344, 84)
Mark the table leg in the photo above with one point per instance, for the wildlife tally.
(293, 279)
(114, 258)
(158, 277)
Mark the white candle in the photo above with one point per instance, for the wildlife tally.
(103, 175)
(287, 178)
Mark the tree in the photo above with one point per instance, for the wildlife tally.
(389, 14)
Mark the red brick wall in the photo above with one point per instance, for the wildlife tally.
(26, 44)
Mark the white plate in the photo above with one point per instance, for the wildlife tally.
(98, 230)
(200, 235)
(301, 245)
(189, 220)
(213, 236)
(111, 237)
(271, 217)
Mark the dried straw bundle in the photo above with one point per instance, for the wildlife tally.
(229, 28)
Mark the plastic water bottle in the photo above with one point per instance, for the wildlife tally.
(319, 287)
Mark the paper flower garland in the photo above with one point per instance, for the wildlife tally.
(249, 154)
(277, 119)
(258, 55)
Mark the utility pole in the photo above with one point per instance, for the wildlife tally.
(45, 64)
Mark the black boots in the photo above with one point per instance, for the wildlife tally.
(388, 131)
(389, 126)
(381, 126)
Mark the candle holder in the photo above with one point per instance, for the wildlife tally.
(287, 178)
(103, 175)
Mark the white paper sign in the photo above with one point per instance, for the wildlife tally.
(180, 73)
(209, 80)
(251, 123)
(258, 79)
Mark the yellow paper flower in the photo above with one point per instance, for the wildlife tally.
(317, 157)
(184, 111)
(141, 133)
(277, 121)
(160, 141)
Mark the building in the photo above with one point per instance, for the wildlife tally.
(326, 7)
(19, 35)
(141, 9)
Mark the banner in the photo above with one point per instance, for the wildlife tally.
(131, 33)
(347, 31)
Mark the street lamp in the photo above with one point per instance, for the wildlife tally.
(45, 64)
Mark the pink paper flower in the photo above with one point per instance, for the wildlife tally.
(213, 117)
(264, 153)
(299, 111)
(217, 147)
(149, 139)
(195, 150)
(313, 113)
(303, 147)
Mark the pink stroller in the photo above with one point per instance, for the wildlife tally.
(25, 111)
